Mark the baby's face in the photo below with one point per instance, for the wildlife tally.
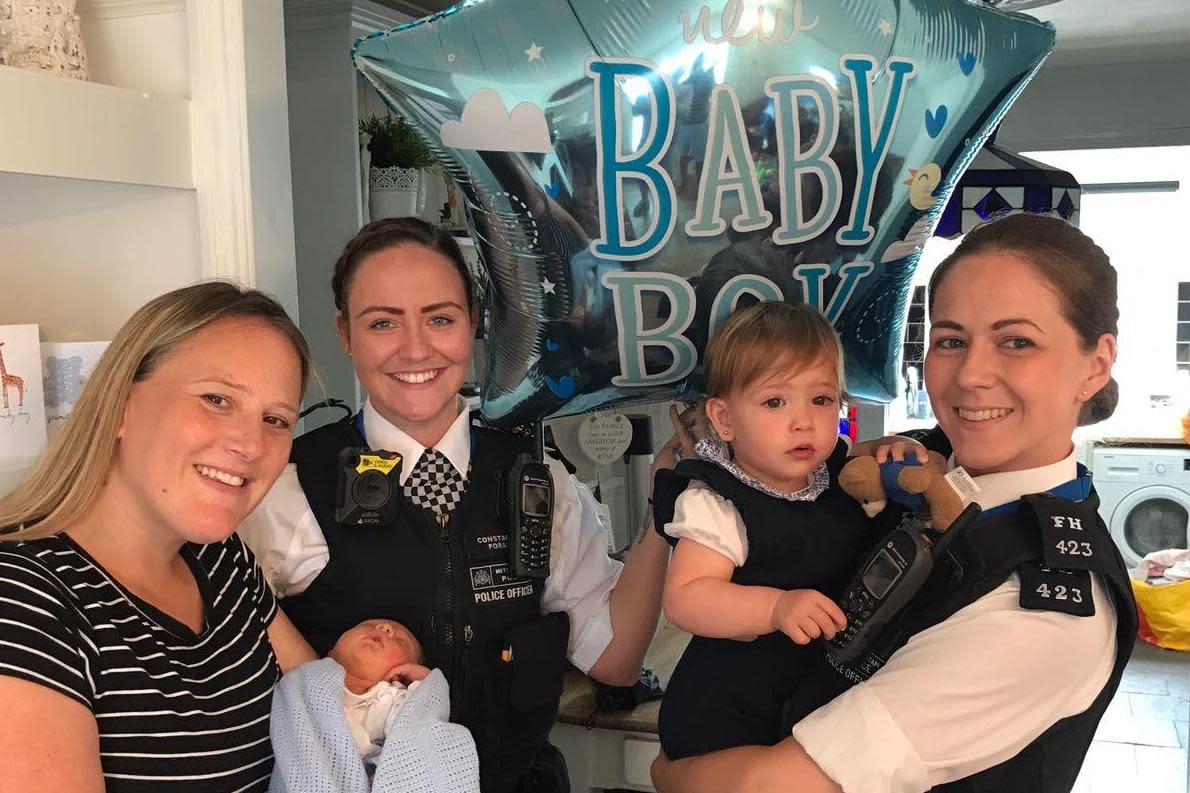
(372, 648)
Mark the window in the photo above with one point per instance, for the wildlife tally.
(1132, 200)
(913, 353)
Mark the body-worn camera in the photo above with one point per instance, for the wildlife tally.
(367, 494)
(530, 516)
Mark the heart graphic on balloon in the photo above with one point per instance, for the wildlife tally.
(563, 388)
(935, 121)
(967, 62)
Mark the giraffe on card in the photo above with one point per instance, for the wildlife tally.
(10, 380)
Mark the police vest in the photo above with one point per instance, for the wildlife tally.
(452, 586)
(1053, 544)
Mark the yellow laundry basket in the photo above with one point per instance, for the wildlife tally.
(1164, 613)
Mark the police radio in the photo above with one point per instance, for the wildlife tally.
(530, 517)
(367, 489)
(887, 580)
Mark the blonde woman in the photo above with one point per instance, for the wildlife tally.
(137, 635)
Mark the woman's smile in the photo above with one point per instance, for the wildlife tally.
(982, 414)
(223, 477)
(416, 378)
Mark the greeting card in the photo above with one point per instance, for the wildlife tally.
(65, 367)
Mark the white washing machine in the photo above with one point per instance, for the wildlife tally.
(1144, 497)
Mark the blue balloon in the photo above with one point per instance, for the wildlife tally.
(632, 172)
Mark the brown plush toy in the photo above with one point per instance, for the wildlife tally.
(921, 487)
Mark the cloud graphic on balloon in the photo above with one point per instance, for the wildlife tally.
(487, 125)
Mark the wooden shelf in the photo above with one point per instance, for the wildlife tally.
(54, 126)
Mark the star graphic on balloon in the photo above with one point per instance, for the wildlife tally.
(885, 27)
(534, 51)
(548, 286)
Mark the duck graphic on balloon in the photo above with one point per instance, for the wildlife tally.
(622, 210)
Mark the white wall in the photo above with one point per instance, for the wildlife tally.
(125, 47)
(269, 155)
(78, 257)
(324, 166)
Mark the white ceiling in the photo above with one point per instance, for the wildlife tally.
(1089, 31)
(1106, 31)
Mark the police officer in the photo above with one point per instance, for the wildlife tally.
(994, 677)
(407, 317)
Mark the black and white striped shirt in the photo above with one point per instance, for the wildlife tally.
(171, 707)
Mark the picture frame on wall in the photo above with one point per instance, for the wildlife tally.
(65, 368)
(22, 402)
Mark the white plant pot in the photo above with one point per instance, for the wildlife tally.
(393, 192)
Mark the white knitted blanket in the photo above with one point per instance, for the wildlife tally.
(315, 753)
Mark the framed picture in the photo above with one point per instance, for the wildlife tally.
(65, 367)
(22, 404)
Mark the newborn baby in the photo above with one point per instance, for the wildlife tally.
(382, 663)
(370, 700)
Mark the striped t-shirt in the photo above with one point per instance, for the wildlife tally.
(173, 708)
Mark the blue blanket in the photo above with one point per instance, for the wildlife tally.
(315, 753)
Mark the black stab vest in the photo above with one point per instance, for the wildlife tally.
(452, 587)
(975, 564)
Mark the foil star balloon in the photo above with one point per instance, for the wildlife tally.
(633, 171)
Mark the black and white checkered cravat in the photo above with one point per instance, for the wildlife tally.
(435, 484)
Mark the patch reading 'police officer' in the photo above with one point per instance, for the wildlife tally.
(1069, 532)
(493, 582)
(1065, 591)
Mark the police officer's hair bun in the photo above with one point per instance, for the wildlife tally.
(1100, 406)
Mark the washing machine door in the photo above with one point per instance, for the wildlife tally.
(1150, 519)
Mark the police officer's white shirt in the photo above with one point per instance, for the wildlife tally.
(292, 551)
(972, 691)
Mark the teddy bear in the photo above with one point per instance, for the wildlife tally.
(922, 487)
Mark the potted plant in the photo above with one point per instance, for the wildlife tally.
(396, 183)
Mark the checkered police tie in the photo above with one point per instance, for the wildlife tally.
(435, 484)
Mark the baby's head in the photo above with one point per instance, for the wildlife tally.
(371, 649)
(774, 375)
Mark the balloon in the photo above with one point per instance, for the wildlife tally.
(633, 171)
